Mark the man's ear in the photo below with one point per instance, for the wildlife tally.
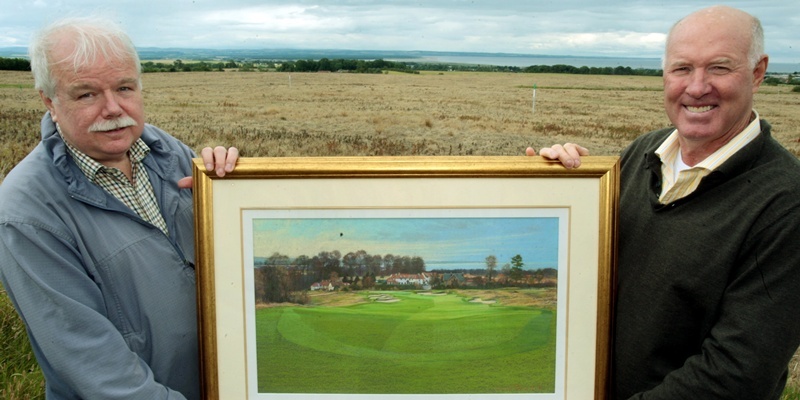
(48, 102)
(760, 72)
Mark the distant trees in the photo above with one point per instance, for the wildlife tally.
(491, 264)
(181, 66)
(373, 67)
(278, 283)
(272, 285)
(789, 79)
(14, 64)
(516, 271)
(336, 65)
(550, 69)
(280, 278)
(374, 264)
(584, 70)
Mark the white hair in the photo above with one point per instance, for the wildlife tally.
(91, 37)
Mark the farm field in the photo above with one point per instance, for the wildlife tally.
(406, 343)
(458, 113)
(451, 113)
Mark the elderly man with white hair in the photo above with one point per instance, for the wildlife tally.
(97, 227)
(708, 291)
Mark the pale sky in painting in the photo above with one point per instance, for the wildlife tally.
(464, 242)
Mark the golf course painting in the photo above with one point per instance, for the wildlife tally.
(415, 303)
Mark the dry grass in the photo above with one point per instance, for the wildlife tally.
(391, 114)
(459, 113)
(336, 299)
(541, 298)
(793, 384)
(20, 376)
(281, 114)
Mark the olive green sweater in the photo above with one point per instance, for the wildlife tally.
(708, 299)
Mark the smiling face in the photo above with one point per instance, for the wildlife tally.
(709, 81)
(98, 107)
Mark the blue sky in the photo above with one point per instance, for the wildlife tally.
(613, 28)
(454, 240)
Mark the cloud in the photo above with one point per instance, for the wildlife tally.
(630, 28)
(634, 44)
(268, 19)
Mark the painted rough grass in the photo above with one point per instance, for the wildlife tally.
(419, 344)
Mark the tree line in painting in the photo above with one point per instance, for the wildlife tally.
(280, 278)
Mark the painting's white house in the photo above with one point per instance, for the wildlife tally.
(408, 279)
(324, 285)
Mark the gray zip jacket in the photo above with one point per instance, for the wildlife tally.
(107, 298)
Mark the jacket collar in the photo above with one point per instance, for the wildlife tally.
(737, 164)
(78, 185)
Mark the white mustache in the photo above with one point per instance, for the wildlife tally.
(104, 126)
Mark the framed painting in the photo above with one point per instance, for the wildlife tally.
(406, 278)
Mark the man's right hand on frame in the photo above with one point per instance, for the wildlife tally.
(569, 154)
(219, 159)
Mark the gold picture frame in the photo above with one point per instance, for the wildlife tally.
(589, 195)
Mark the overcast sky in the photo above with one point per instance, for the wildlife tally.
(615, 28)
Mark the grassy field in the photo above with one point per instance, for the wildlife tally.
(20, 376)
(413, 344)
(459, 113)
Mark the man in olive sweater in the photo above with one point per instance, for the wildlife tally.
(708, 296)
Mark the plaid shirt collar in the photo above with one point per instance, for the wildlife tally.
(89, 166)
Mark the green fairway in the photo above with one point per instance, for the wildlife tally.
(419, 344)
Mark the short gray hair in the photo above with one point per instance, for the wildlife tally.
(92, 37)
(756, 43)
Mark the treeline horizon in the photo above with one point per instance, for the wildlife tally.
(377, 66)
(547, 272)
(353, 263)
(280, 278)
(14, 64)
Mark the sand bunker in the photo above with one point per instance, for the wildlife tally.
(383, 298)
(478, 300)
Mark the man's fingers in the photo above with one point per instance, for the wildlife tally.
(220, 153)
(208, 158)
(220, 159)
(230, 160)
(569, 154)
(548, 152)
(575, 150)
(563, 155)
(186, 183)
